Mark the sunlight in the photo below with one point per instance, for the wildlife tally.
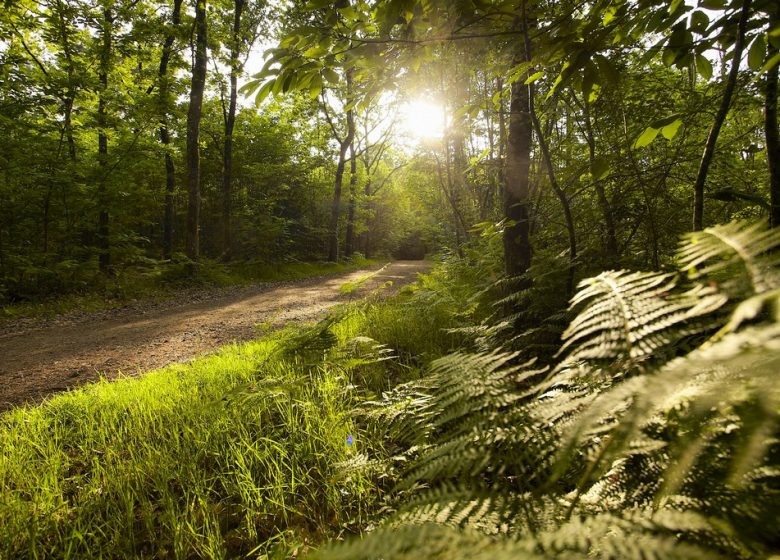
(423, 120)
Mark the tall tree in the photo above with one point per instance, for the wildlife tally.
(345, 141)
(229, 115)
(193, 131)
(517, 188)
(720, 118)
(165, 100)
(104, 67)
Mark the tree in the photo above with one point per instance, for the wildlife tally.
(193, 131)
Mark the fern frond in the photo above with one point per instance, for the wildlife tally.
(736, 244)
(631, 316)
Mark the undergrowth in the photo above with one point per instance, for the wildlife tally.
(420, 423)
(160, 282)
(236, 454)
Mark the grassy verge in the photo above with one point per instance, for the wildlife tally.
(160, 283)
(209, 460)
(237, 454)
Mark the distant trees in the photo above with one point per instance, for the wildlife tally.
(583, 90)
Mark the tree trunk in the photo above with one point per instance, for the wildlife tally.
(193, 132)
(559, 192)
(772, 136)
(230, 121)
(165, 138)
(349, 246)
(365, 237)
(335, 213)
(517, 234)
(70, 94)
(104, 255)
(712, 138)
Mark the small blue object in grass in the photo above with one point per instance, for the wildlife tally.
(350, 440)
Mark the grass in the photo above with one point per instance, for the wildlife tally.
(208, 460)
(348, 288)
(163, 282)
(235, 455)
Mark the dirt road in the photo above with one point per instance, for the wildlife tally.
(67, 353)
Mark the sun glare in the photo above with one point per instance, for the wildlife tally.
(423, 120)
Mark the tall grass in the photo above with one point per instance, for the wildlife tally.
(237, 454)
(208, 460)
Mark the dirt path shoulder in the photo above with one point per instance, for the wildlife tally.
(55, 357)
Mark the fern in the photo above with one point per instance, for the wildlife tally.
(631, 316)
(631, 447)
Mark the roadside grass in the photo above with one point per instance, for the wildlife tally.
(228, 455)
(349, 288)
(162, 282)
(239, 454)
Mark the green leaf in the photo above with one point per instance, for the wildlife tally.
(249, 88)
(771, 63)
(533, 77)
(315, 87)
(609, 14)
(331, 75)
(646, 137)
(607, 70)
(264, 91)
(671, 129)
(316, 4)
(665, 121)
(599, 168)
(699, 22)
(756, 53)
(668, 56)
(589, 80)
(703, 67)
(713, 4)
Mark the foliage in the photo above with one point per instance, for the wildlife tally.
(618, 450)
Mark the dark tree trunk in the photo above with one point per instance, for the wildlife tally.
(517, 186)
(104, 254)
(165, 138)
(772, 136)
(349, 246)
(712, 138)
(193, 132)
(335, 213)
(230, 121)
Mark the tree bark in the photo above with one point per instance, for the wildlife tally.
(193, 132)
(230, 121)
(771, 134)
(104, 254)
(517, 233)
(712, 138)
(349, 246)
(165, 138)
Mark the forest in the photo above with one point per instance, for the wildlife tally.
(389, 279)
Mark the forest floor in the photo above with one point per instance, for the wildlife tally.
(57, 354)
